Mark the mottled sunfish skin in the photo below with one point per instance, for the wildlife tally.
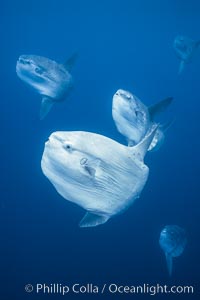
(133, 119)
(50, 79)
(185, 48)
(96, 172)
(172, 241)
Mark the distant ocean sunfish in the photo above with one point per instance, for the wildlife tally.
(172, 242)
(185, 48)
(51, 80)
(95, 172)
(133, 119)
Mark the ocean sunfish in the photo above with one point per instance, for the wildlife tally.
(133, 119)
(185, 48)
(172, 242)
(50, 79)
(96, 172)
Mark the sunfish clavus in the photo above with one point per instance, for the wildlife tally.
(50, 79)
(172, 241)
(134, 119)
(95, 172)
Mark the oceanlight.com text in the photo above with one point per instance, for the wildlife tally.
(111, 288)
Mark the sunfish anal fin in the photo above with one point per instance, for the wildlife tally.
(92, 220)
(45, 107)
(169, 261)
(159, 107)
(70, 62)
(141, 149)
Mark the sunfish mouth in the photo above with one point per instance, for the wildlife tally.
(52, 139)
(20, 61)
(22, 65)
(23, 61)
(56, 139)
(124, 94)
(47, 142)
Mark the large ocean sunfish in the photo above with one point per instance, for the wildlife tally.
(96, 172)
(185, 49)
(172, 241)
(133, 119)
(50, 79)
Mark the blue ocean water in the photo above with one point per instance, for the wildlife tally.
(121, 44)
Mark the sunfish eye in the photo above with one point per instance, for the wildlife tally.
(38, 70)
(68, 147)
(83, 161)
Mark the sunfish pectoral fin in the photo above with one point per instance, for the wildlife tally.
(159, 107)
(91, 166)
(45, 107)
(181, 67)
(92, 220)
(169, 261)
(70, 62)
(141, 149)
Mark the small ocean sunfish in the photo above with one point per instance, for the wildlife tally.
(172, 242)
(133, 119)
(50, 79)
(95, 172)
(185, 48)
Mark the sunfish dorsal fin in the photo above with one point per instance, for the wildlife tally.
(92, 220)
(141, 149)
(159, 107)
(169, 261)
(45, 107)
(70, 62)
